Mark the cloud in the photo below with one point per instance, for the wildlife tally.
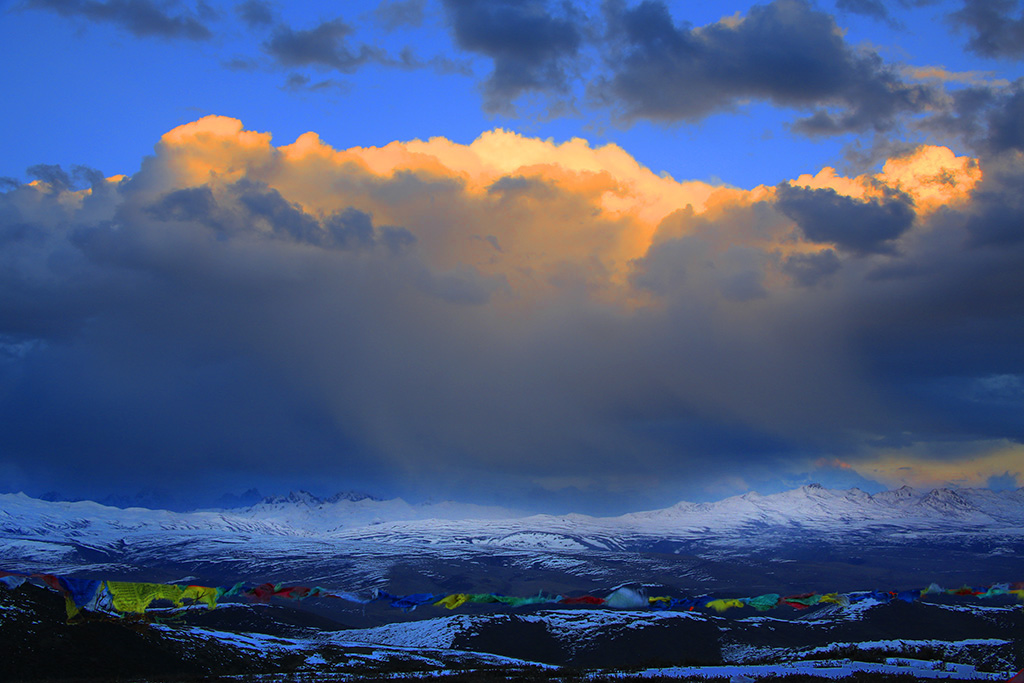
(255, 13)
(297, 82)
(141, 18)
(943, 75)
(532, 44)
(393, 14)
(811, 269)
(1005, 130)
(994, 31)
(325, 45)
(986, 117)
(879, 10)
(983, 464)
(328, 46)
(499, 316)
(871, 8)
(785, 52)
(825, 216)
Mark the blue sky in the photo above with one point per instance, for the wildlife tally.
(99, 94)
(788, 250)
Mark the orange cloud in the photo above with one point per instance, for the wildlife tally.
(546, 206)
(834, 463)
(531, 211)
(932, 175)
(921, 467)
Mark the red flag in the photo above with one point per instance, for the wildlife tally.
(582, 600)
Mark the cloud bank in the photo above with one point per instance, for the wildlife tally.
(511, 315)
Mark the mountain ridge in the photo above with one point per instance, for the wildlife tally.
(807, 502)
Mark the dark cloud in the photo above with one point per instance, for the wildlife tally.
(190, 204)
(532, 44)
(241, 64)
(1006, 121)
(54, 176)
(811, 269)
(255, 13)
(785, 52)
(297, 82)
(996, 217)
(148, 295)
(393, 14)
(141, 18)
(427, 326)
(988, 118)
(996, 27)
(257, 207)
(325, 45)
(328, 46)
(875, 9)
(407, 59)
(922, 341)
(861, 227)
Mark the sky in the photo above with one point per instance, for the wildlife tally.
(560, 255)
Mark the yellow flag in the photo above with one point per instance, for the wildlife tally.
(136, 597)
(201, 594)
(452, 601)
(724, 604)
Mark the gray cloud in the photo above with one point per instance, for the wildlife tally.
(811, 269)
(1006, 120)
(871, 8)
(297, 82)
(785, 52)
(141, 18)
(325, 45)
(54, 176)
(861, 227)
(393, 14)
(996, 218)
(950, 310)
(986, 117)
(383, 339)
(876, 9)
(532, 44)
(993, 28)
(328, 46)
(255, 13)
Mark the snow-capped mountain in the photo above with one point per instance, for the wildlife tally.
(359, 541)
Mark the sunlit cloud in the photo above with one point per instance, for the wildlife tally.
(551, 316)
(927, 466)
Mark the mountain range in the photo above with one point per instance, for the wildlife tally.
(807, 538)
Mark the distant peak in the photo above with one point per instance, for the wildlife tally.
(308, 499)
(351, 496)
(902, 493)
(294, 497)
(943, 494)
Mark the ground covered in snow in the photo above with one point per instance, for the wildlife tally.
(250, 642)
(809, 539)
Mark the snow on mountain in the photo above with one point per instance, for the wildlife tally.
(300, 513)
(308, 514)
(816, 506)
(362, 539)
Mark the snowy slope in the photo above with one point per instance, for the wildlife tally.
(353, 541)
